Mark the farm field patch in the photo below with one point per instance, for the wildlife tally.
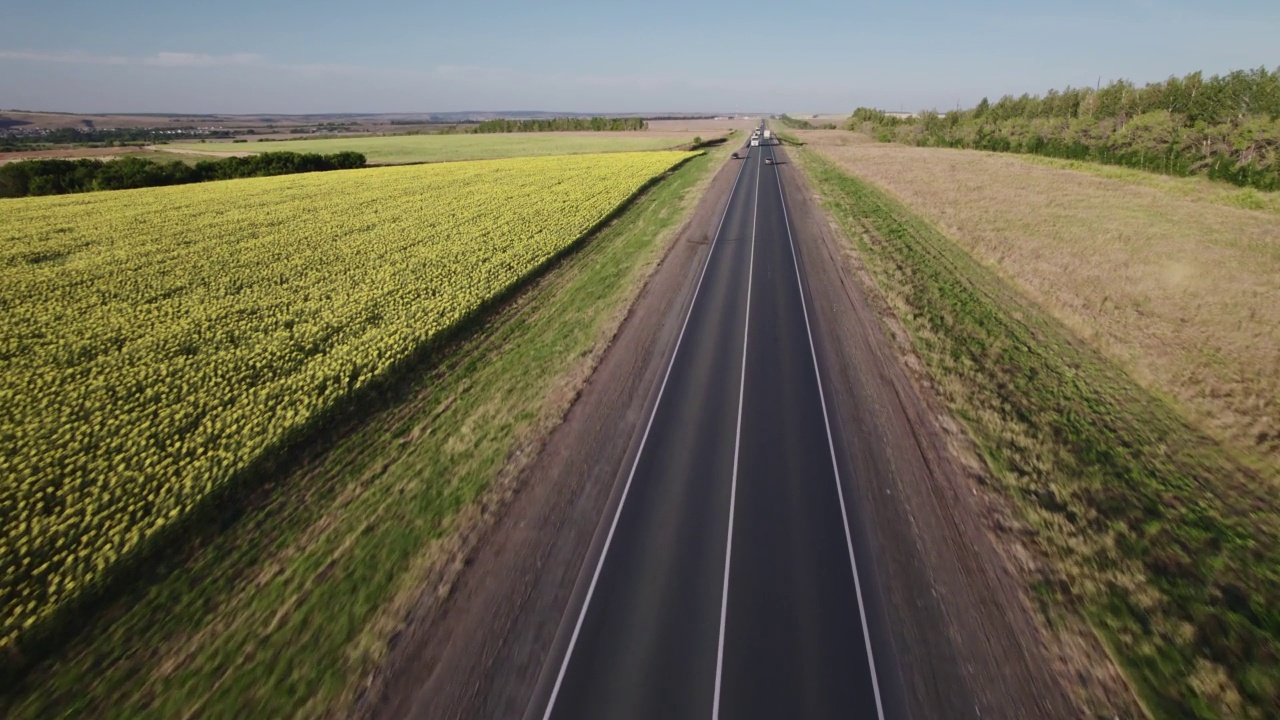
(395, 149)
(157, 342)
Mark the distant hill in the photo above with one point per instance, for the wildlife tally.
(32, 120)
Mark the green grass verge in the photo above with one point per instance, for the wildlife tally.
(389, 149)
(285, 608)
(1167, 545)
(162, 156)
(789, 138)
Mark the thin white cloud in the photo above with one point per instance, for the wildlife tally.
(183, 59)
(437, 86)
(481, 74)
(454, 74)
(166, 59)
(78, 58)
(478, 74)
(650, 81)
(322, 68)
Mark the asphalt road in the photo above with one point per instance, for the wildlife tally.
(727, 584)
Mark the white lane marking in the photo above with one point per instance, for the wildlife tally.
(844, 514)
(591, 589)
(737, 443)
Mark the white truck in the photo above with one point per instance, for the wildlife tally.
(767, 134)
(755, 142)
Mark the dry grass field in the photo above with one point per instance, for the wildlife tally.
(1091, 336)
(1176, 279)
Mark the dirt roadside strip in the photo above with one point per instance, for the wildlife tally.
(960, 621)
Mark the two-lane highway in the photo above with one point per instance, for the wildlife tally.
(727, 584)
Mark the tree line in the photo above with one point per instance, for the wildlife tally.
(14, 139)
(61, 177)
(502, 125)
(801, 124)
(1225, 126)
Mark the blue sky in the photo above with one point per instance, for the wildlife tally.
(241, 56)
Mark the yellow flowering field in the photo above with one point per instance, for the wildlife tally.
(156, 342)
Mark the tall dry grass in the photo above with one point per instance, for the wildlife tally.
(1168, 279)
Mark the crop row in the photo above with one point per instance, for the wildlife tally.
(155, 343)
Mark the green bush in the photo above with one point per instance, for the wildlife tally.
(61, 177)
(501, 125)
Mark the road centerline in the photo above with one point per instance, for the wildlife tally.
(793, 646)
(586, 604)
(737, 445)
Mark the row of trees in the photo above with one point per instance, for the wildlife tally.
(1226, 127)
(60, 177)
(800, 124)
(502, 125)
(1218, 99)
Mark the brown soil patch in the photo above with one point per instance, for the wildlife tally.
(75, 153)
